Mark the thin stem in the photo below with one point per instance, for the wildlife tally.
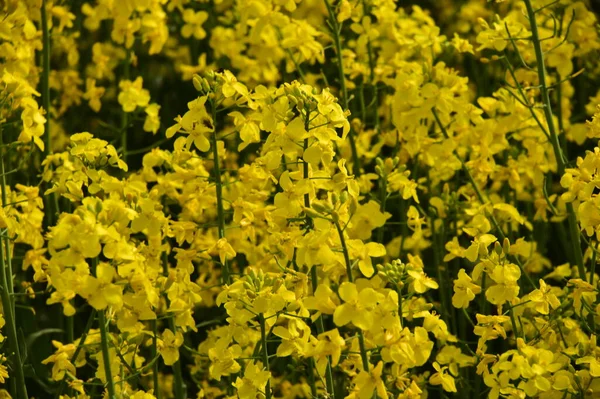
(313, 272)
(6, 279)
(178, 384)
(106, 356)
(382, 200)
(265, 352)
(124, 115)
(558, 154)
(321, 330)
(154, 354)
(9, 315)
(335, 31)
(361, 338)
(50, 201)
(46, 78)
(219, 189)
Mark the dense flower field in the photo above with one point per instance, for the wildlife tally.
(299, 199)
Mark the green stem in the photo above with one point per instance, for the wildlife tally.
(8, 290)
(46, 77)
(335, 30)
(219, 189)
(558, 154)
(11, 326)
(313, 272)
(124, 115)
(51, 201)
(311, 377)
(361, 338)
(265, 352)
(178, 383)
(106, 356)
(444, 292)
(321, 330)
(382, 199)
(154, 354)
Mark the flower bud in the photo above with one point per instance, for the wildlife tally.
(344, 197)
(196, 80)
(506, 246)
(335, 216)
(498, 248)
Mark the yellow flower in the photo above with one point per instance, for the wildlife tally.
(294, 338)
(443, 379)
(329, 343)
(169, 345)
(196, 123)
(193, 24)
(543, 298)
(464, 290)
(223, 249)
(368, 382)
(93, 94)
(363, 253)
(254, 381)
(222, 359)
(132, 94)
(99, 291)
(506, 288)
(357, 307)
(324, 300)
(152, 121)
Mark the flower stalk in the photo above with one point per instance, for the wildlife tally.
(265, 352)
(335, 31)
(110, 385)
(554, 140)
(361, 337)
(219, 188)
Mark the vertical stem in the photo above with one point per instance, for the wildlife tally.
(400, 312)
(105, 355)
(321, 330)
(178, 384)
(444, 291)
(335, 30)
(155, 365)
(265, 352)
(124, 116)
(382, 199)
(50, 201)
(560, 161)
(9, 314)
(4, 241)
(311, 377)
(313, 271)
(361, 338)
(219, 188)
(46, 77)
(6, 279)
